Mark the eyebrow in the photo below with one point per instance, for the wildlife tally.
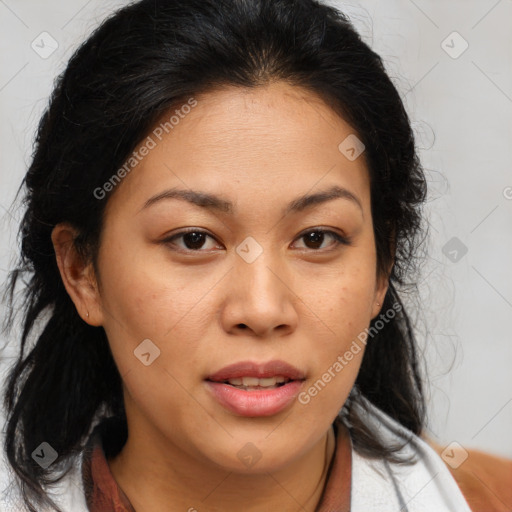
(214, 202)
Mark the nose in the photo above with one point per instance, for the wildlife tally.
(259, 298)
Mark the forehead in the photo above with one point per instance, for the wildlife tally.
(276, 113)
(262, 141)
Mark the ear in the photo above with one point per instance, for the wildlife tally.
(381, 288)
(383, 280)
(78, 277)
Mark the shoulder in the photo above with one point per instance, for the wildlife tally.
(425, 484)
(68, 493)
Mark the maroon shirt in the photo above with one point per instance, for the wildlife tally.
(102, 493)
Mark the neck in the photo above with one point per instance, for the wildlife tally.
(170, 479)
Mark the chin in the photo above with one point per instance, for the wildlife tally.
(252, 457)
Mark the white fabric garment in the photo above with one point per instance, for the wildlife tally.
(428, 485)
(377, 486)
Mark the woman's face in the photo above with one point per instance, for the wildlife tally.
(249, 286)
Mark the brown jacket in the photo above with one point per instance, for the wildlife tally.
(484, 479)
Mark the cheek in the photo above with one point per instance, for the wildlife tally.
(344, 308)
(328, 389)
(169, 311)
(346, 300)
(141, 292)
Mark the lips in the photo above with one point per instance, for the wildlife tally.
(252, 389)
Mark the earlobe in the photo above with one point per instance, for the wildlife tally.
(379, 300)
(77, 276)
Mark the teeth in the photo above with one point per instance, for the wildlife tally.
(270, 381)
(254, 381)
(250, 381)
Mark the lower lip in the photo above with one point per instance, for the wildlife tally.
(266, 402)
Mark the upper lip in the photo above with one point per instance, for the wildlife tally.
(259, 370)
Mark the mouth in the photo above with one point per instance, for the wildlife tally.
(251, 389)
(255, 384)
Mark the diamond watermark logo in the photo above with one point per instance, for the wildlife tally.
(249, 249)
(454, 249)
(249, 455)
(454, 45)
(454, 454)
(351, 147)
(44, 455)
(44, 45)
(146, 352)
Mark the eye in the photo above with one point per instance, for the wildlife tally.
(193, 239)
(316, 237)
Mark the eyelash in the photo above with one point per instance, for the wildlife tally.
(339, 239)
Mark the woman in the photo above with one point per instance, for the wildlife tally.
(223, 199)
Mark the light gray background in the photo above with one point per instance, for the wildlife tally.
(461, 111)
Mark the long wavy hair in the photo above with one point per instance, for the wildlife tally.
(137, 65)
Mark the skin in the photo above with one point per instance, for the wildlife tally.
(301, 301)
